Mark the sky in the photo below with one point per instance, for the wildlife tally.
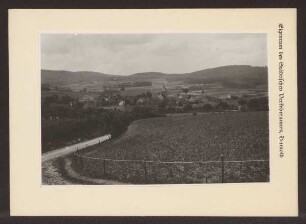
(126, 54)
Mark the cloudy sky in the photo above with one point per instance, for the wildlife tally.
(125, 54)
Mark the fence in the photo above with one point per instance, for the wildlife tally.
(157, 172)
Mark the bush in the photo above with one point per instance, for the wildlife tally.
(258, 104)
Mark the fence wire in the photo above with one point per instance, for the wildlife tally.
(151, 171)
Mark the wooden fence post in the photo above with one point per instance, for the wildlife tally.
(81, 163)
(222, 168)
(75, 157)
(145, 170)
(104, 167)
(78, 159)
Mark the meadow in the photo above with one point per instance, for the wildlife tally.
(238, 136)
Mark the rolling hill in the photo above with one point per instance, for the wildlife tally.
(236, 76)
(233, 76)
(63, 78)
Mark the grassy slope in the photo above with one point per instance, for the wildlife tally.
(239, 136)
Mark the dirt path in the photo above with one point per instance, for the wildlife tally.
(72, 148)
(55, 172)
(87, 180)
(51, 174)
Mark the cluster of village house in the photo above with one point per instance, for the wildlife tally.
(177, 101)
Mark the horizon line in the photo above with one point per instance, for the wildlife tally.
(264, 66)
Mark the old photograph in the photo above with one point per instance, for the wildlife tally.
(154, 108)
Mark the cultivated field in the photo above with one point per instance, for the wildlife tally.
(238, 136)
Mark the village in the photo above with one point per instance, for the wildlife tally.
(164, 100)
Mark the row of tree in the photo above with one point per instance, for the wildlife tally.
(88, 123)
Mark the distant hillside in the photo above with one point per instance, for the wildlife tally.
(63, 78)
(233, 76)
(236, 76)
(148, 75)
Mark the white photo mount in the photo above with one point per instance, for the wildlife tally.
(28, 197)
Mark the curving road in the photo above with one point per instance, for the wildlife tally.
(72, 148)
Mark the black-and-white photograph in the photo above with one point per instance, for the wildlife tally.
(154, 108)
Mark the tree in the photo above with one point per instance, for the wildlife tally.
(207, 107)
(66, 99)
(187, 107)
(242, 101)
(259, 104)
(223, 105)
(45, 87)
(185, 90)
(122, 89)
(149, 94)
(51, 99)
